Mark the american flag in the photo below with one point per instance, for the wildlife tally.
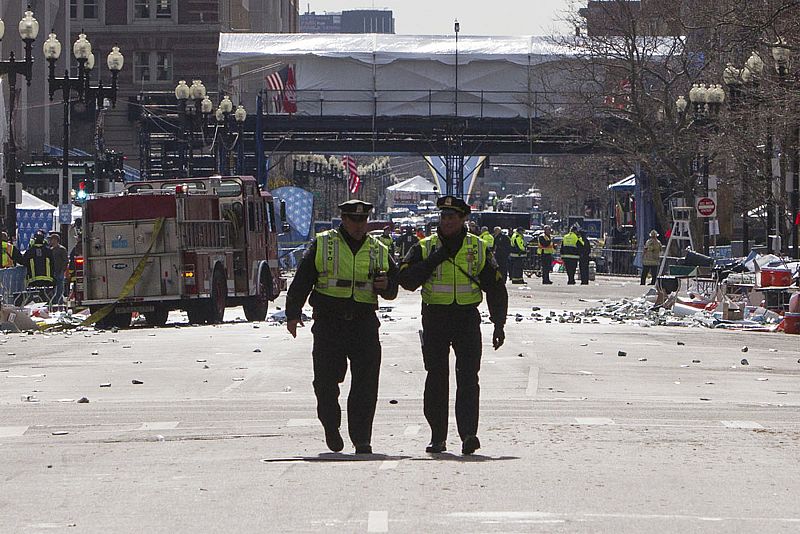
(276, 84)
(283, 87)
(353, 181)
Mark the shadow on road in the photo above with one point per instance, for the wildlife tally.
(336, 457)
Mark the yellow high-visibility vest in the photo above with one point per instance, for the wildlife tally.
(344, 275)
(448, 284)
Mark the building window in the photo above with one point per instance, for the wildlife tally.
(84, 9)
(152, 9)
(152, 67)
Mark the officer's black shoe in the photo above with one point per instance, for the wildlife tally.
(470, 445)
(333, 439)
(364, 449)
(436, 446)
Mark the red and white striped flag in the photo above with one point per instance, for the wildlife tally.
(353, 181)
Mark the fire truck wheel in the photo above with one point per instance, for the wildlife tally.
(256, 307)
(157, 317)
(118, 320)
(219, 294)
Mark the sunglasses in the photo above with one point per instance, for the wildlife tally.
(356, 218)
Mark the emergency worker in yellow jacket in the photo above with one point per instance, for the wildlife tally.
(545, 250)
(344, 271)
(571, 246)
(38, 261)
(10, 256)
(454, 268)
(487, 236)
(517, 256)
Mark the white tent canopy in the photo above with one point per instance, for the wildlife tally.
(417, 184)
(410, 192)
(31, 202)
(394, 75)
(381, 49)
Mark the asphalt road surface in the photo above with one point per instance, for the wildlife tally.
(221, 434)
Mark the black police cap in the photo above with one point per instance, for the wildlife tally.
(355, 207)
(456, 204)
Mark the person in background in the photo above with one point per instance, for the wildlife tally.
(570, 253)
(406, 241)
(651, 258)
(517, 256)
(487, 237)
(60, 260)
(502, 248)
(545, 251)
(584, 251)
(38, 260)
(10, 254)
(420, 233)
(387, 240)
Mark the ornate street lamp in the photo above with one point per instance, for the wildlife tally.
(82, 51)
(781, 54)
(28, 30)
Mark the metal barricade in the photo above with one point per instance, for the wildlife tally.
(12, 281)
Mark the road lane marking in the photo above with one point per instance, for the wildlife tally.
(411, 430)
(159, 425)
(388, 464)
(751, 425)
(594, 421)
(302, 422)
(12, 431)
(526, 517)
(378, 522)
(533, 382)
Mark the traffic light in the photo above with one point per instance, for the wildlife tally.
(80, 194)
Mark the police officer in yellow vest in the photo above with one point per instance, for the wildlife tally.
(10, 256)
(517, 256)
(545, 250)
(454, 268)
(38, 260)
(571, 252)
(487, 237)
(344, 271)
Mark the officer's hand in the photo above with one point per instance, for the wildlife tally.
(291, 326)
(380, 282)
(439, 255)
(498, 336)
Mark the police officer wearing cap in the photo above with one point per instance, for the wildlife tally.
(344, 271)
(454, 268)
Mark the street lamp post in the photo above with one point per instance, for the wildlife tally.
(28, 30)
(706, 103)
(82, 50)
(781, 53)
(456, 29)
(240, 115)
(194, 105)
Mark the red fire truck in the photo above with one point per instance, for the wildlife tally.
(197, 244)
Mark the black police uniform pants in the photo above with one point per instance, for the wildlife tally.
(441, 329)
(335, 341)
(571, 265)
(515, 269)
(547, 267)
(583, 264)
(649, 269)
